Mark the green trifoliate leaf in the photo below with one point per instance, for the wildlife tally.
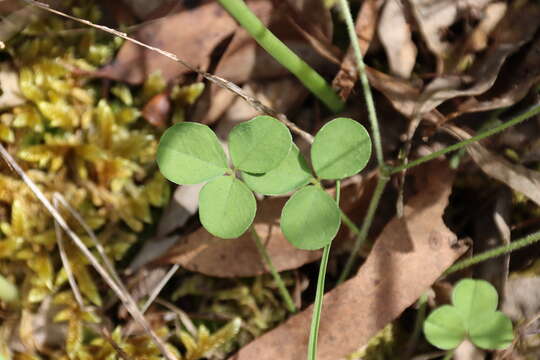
(310, 219)
(474, 298)
(491, 331)
(472, 315)
(259, 145)
(444, 328)
(226, 207)
(190, 153)
(291, 174)
(340, 149)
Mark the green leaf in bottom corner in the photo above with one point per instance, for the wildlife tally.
(310, 219)
(291, 174)
(226, 207)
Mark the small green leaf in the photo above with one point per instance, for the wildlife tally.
(473, 314)
(310, 219)
(444, 328)
(226, 207)
(340, 149)
(190, 153)
(259, 145)
(473, 298)
(291, 174)
(491, 331)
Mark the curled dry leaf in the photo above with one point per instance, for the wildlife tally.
(517, 177)
(395, 35)
(408, 256)
(513, 84)
(434, 19)
(516, 29)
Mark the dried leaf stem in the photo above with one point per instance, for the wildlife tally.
(319, 295)
(277, 278)
(280, 52)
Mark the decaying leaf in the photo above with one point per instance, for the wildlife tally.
(191, 35)
(406, 259)
(511, 86)
(204, 253)
(395, 35)
(516, 176)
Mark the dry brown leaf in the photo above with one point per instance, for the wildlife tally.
(191, 34)
(517, 28)
(435, 17)
(395, 35)
(408, 256)
(517, 177)
(512, 85)
(204, 253)
(366, 23)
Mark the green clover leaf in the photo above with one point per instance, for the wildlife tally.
(259, 145)
(340, 149)
(472, 315)
(190, 153)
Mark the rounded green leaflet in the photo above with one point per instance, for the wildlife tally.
(259, 145)
(340, 149)
(474, 298)
(444, 328)
(491, 331)
(310, 219)
(226, 207)
(292, 173)
(190, 153)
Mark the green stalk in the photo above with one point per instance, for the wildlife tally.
(279, 51)
(534, 110)
(368, 96)
(373, 205)
(277, 278)
(319, 295)
(498, 251)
